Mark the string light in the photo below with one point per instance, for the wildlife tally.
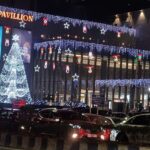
(75, 36)
(70, 22)
(108, 49)
(123, 83)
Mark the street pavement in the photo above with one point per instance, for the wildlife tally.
(7, 148)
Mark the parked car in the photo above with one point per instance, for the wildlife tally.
(67, 123)
(133, 130)
(103, 122)
(7, 120)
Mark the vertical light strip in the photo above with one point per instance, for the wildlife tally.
(1, 32)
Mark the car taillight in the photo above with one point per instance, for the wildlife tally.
(105, 135)
(82, 132)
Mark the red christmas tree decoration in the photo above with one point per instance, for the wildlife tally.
(116, 57)
(7, 29)
(139, 57)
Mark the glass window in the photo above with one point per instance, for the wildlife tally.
(139, 120)
(46, 113)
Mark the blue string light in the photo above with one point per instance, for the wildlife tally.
(108, 49)
(123, 83)
(73, 22)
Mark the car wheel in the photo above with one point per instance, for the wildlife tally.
(122, 138)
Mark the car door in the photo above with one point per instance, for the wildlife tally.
(146, 132)
(136, 127)
(49, 123)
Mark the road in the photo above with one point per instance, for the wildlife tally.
(6, 148)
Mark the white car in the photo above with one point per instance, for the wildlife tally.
(133, 130)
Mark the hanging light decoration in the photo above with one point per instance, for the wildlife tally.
(91, 55)
(90, 69)
(50, 50)
(118, 34)
(41, 52)
(139, 57)
(7, 30)
(116, 57)
(45, 64)
(84, 29)
(67, 69)
(54, 66)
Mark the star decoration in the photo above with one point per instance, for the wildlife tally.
(103, 31)
(68, 51)
(22, 24)
(75, 77)
(15, 38)
(4, 57)
(66, 25)
(59, 50)
(37, 68)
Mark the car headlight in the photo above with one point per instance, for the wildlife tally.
(74, 135)
(22, 127)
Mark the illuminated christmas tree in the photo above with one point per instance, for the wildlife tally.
(13, 80)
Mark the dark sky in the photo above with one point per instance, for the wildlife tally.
(94, 10)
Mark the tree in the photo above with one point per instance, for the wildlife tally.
(13, 80)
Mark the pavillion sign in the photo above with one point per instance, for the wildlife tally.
(16, 16)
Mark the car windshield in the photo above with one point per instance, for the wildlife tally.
(68, 115)
(100, 120)
(116, 120)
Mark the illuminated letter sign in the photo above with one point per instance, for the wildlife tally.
(16, 16)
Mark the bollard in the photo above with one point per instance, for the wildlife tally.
(122, 147)
(37, 143)
(83, 146)
(102, 146)
(144, 148)
(2, 138)
(7, 140)
(52, 144)
(25, 142)
(71, 145)
(13, 142)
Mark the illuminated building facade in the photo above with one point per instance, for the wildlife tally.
(79, 60)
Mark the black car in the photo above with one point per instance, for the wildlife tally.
(65, 123)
